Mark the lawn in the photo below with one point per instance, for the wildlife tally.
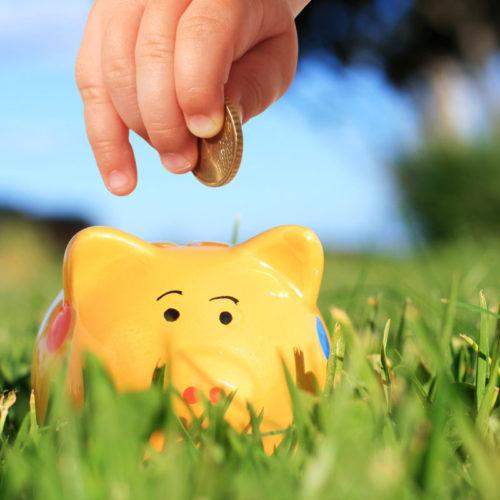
(410, 409)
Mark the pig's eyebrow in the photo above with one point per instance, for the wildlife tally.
(225, 297)
(179, 292)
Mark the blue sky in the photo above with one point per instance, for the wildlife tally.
(319, 157)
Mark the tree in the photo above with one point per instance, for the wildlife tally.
(405, 37)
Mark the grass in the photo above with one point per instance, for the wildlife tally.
(410, 408)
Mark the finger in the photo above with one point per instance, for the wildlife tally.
(108, 135)
(263, 75)
(156, 94)
(212, 34)
(297, 6)
(118, 62)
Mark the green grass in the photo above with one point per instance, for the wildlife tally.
(410, 408)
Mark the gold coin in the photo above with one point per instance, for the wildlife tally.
(220, 156)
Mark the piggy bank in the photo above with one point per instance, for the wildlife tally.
(223, 318)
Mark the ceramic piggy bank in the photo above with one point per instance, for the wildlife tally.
(223, 318)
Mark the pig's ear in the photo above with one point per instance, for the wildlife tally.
(294, 251)
(93, 253)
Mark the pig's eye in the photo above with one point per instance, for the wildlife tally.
(225, 317)
(171, 314)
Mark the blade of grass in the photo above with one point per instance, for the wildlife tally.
(373, 308)
(335, 360)
(6, 402)
(33, 430)
(401, 326)
(473, 344)
(491, 392)
(302, 423)
(255, 423)
(483, 354)
(474, 308)
(386, 379)
(236, 230)
(158, 378)
(448, 322)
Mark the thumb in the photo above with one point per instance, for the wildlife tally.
(263, 74)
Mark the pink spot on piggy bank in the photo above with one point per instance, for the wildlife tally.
(59, 328)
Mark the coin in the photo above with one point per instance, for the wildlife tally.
(220, 156)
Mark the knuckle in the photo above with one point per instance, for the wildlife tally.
(162, 133)
(104, 149)
(202, 26)
(118, 74)
(276, 17)
(254, 91)
(156, 47)
(92, 93)
(131, 3)
(80, 74)
(194, 95)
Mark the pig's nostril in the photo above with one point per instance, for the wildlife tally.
(215, 394)
(190, 395)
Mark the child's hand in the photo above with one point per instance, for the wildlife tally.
(162, 68)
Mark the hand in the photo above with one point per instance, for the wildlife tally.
(163, 67)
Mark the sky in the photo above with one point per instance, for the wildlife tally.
(320, 157)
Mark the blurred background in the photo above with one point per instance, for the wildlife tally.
(387, 145)
(386, 140)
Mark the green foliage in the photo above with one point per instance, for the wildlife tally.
(452, 190)
(410, 408)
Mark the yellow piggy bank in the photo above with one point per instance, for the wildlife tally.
(223, 318)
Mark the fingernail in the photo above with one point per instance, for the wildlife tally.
(117, 181)
(204, 126)
(176, 163)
